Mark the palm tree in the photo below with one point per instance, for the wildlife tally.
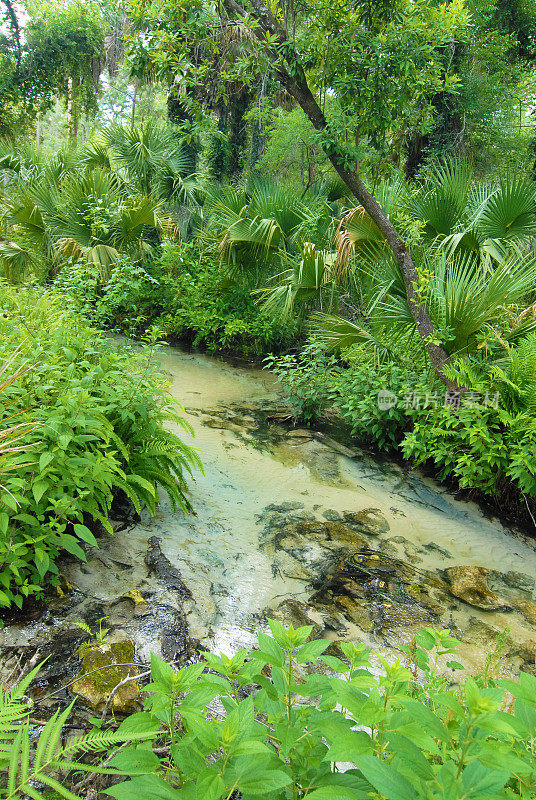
(254, 229)
(146, 157)
(304, 280)
(484, 220)
(91, 217)
(468, 305)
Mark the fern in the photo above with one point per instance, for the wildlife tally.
(28, 763)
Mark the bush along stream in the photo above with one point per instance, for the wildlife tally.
(82, 423)
(391, 593)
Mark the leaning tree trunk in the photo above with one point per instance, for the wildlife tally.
(295, 83)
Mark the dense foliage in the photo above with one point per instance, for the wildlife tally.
(58, 56)
(362, 173)
(183, 297)
(484, 439)
(293, 722)
(94, 426)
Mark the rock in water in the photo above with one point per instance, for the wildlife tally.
(369, 521)
(470, 585)
(101, 672)
(164, 569)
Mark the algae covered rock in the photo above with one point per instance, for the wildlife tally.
(470, 585)
(101, 672)
(525, 607)
(369, 521)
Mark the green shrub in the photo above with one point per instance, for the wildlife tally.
(130, 301)
(487, 442)
(287, 730)
(479, 446)
(308, 380)
(316, 380)
(97, 417)
(213, 312)
(289, 721)
(185, 296)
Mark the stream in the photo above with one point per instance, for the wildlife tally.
(287, 526)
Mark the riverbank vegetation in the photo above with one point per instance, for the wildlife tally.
(345, 192)
(408, 734)
(87, 426)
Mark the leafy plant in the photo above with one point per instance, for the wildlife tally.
(292, 720)
(252, 229)
(95, 420)
(211, 311)
(30, 762)
(290, 728)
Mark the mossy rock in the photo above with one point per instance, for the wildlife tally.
(100, 673)
(369, 521)
(470, 585)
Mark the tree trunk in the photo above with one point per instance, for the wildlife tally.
(297, 86)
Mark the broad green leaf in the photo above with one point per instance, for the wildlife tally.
(39, 488)
(141, 722)
(85, 534)
(429, 721)
(70, 544)
(143, 788)
(348, 746)
(311, 650)
(337, 793)
(500, 757)
(385, 779)
(135, 760)
(270, 646)
(263, 781)
(478, 781)
(210, 785)
(162, 673)
(407, 753)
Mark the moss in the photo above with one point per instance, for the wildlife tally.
(99, 676)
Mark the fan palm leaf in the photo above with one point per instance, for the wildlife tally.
(440, 203)
(303, 281)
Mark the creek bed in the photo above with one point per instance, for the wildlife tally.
(287, 525)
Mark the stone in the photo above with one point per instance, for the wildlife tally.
(100, 673)
(470, 585)
(525, 607)
(300, 433)
(294, 612)
(515, 580)
(432, 547)
(136, 596)
(332, 516)
(402, 615)
(289, 505)
(164, 569)
(356, 612)
(481, 634)
(422, 596)
(527, 652)
(336, 532)
(369, 521)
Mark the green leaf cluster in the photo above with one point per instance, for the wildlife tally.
(288, 721)
(95, 419)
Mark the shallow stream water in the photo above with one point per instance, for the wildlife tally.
(285, 525)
